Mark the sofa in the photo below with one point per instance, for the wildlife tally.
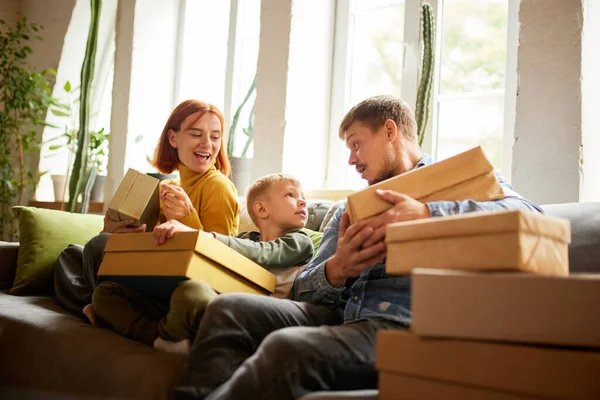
(51, 354)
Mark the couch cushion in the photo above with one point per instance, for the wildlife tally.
(8, 262)
(584, 250)
(46, 349)
(43, 234)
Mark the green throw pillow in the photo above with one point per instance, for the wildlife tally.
(43, 234)
(315, 237)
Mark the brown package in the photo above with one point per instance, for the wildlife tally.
(466, 176)
(133, 260)
(136, 198)
(402, 387)
(525, 370)
(509, 307)
(500, 241)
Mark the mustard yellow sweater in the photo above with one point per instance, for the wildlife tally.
(216, 207)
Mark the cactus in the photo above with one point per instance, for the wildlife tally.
(424, 92)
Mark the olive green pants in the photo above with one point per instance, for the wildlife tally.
(142, 317)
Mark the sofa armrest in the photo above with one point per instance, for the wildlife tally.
(8, 263)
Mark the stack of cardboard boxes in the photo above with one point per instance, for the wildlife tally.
(495, 314)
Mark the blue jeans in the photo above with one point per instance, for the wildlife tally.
(256, 347)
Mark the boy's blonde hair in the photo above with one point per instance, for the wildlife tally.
(261, 188)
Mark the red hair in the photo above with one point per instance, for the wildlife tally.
(165, 156)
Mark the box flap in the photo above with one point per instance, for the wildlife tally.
(222, 254)
(121, 193)
(479, 223)
(143, 242)
(425, 181)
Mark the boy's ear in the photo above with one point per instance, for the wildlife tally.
(260, 209)
(172, 140)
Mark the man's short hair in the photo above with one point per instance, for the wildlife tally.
(374, 111)
(262, 187)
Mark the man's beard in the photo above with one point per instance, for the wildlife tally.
(389, 171)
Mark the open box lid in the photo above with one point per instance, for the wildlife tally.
(480, 223)
(202, 244)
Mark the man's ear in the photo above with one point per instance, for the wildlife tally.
(260, 209)
(172, 138)
(391, 130)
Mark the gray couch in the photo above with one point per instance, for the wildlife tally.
(51, 354)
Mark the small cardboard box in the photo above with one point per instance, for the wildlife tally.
(466, 176)
(525, 370)
(133, 260)
(507, 307)
(136, 198)
(500, 241)
(401, 387)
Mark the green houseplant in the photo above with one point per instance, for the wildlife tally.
(98, 144)
(82, 174)
(25, 96)
(241, 164)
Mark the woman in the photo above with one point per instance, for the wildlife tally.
(191, 142)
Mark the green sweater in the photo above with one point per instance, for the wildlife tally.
(291, 249)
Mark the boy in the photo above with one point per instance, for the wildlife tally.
(276, 206)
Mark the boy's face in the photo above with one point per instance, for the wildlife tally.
(286, 206)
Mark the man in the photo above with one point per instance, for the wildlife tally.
(259, 347)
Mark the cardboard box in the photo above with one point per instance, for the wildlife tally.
(468, 175)
(136, 198)
(134, 261)
(402, 387)
(500, 241)
(525, 370)
(507, 307)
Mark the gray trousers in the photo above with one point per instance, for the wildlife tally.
(258, 347)
(76, 273)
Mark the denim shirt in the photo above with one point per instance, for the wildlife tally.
(375, 294)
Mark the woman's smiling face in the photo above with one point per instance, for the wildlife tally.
(198, 141)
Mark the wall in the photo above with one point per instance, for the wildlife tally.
(8, 10)
(590, 94)
(545, 165)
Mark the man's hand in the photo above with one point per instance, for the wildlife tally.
(164, 231)
(351, 257)
(176, 202)
(404, 209)
(111, 226)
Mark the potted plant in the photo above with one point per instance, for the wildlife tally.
(25, 96)
(241, 165)
(98, 146)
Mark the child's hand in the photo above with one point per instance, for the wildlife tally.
(164, 231)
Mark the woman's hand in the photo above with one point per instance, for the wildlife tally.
(111, 226)
(164, 231)
(176, 202)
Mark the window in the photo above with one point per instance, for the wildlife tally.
(205, 50)
(378, 51)
(241, 69)
(368, 54)
(470, 96)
